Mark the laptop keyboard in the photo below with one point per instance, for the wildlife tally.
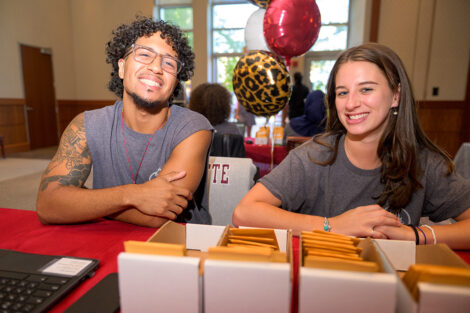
(25, 293)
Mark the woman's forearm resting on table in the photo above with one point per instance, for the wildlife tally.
(265, 215)
(456, 235)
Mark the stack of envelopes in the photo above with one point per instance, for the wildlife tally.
(248, 244)
(160, 248)
(437, 274)
(322, 249)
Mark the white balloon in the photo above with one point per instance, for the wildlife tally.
(254, 35)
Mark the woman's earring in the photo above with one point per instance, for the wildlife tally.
(395, 111)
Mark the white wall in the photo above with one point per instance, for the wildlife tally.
(92, 23)
(77, 32)
(450, 50)
(43, 24)
(432, 37)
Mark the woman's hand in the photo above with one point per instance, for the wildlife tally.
(365, 221)
(397, 233)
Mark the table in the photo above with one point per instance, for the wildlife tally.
(22, 231)
(261, 155)
(103, 240)
(462, 160)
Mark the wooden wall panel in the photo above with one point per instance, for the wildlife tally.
(68, 109)
(374, 21)
(442, 121)
(14, 134)
(13, 125)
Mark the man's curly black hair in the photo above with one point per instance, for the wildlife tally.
(126, 35)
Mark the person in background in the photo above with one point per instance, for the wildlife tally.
(312, 121)
(373, 172)
(148, 156)
(245, 117)
(214, 102)
(296, 104)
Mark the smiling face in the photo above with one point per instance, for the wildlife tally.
(148, 85)
(363, 100)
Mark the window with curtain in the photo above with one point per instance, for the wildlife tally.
(333, 39)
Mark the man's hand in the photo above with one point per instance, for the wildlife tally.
(160, 197)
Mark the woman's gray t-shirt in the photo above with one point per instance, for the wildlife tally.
(104, 133)
(306, 187)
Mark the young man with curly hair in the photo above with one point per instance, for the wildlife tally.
(148, 156)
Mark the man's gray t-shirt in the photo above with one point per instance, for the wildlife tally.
(103, 129)
(306, 187)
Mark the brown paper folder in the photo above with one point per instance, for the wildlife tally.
(338, 264)
(241, 253)
(437, 274)
(146, 247)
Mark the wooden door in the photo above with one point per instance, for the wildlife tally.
(39, 92)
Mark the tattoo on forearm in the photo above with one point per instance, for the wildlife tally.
(75, 177)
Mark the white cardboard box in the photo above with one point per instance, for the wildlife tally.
(433, 297)
(326, 290)
(231, 286)
(400, 253)
(154, 283)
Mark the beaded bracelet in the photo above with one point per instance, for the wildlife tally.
(326, 225)
(432, 232)
(422, 232)
(413, 227)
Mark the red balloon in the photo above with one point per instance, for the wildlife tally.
(291, 27)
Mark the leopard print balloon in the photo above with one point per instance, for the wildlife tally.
(261, 3)
(261, 83)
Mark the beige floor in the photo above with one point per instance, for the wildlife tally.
(20, 175)
(11, 168)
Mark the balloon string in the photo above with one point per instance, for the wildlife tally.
(272, 142)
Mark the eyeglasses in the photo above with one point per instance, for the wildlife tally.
(147, 55)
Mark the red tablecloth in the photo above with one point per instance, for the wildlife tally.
(103, 240)
(261, 155)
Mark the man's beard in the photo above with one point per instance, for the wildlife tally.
(142, 103)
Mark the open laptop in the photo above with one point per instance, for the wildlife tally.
(35, 282)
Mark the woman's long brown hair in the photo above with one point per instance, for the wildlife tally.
(403, 136)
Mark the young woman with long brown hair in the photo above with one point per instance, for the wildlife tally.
(373, 172)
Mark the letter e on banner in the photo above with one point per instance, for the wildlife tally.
(225, 169)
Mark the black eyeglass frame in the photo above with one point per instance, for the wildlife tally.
(179, 64)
